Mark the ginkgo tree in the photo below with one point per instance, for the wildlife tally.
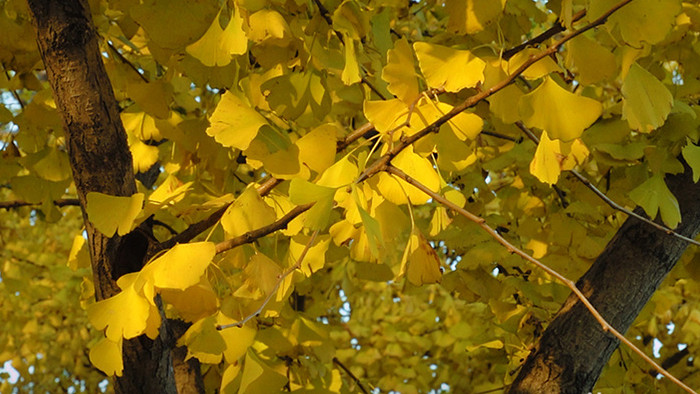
(252, 196)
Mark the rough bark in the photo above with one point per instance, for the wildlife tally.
(574, 349)
(101, 162)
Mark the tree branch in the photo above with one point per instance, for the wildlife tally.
(280, 279)
(252, 235)
(62, 202)
(557, 28)
(352, 375)
(607, 199)
(379, 164)
(481, 222)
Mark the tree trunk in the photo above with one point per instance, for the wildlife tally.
(101, 162)
(574, 349)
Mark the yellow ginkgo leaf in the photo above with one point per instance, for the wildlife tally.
(258, 377)
(563, 114)
(248, 212)
(262, 275)
(217, 45)
(106, 355)
(317, 147)
(546, 163)
(194, 302)
(421, 263)
(646, 101)
(153, 97)
(315, 256)
(124, 315)
(400, 73)
(110, 214)
(143, 155)
(504, 102)
(418, 168)
(537, 70)
(204, 341)
(238, 339)
(180, 267)
(234, 123)
(385, 115)
(472, 16)
(268, 25)
(342, 173)
(451, 69)
(351, 71)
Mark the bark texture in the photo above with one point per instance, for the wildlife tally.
(101, 162)
(574, 349)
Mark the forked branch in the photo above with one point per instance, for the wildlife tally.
(481, 222)
(607, 199)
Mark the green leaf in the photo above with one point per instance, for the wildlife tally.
(258, 377)
(653, 195)
(303, 192)
(691, 154)
(647, 102)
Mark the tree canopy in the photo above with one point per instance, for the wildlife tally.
(349, 195)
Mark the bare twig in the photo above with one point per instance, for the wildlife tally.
(352, 375)
(126, 61)
(552, 31)
(63, 202)
(280, 278)
(382, 162)
(481, 222)
(607, 199)
(252, 235)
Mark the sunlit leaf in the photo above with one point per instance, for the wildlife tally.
(399, 72)
(421, 263)
(182, 266)
(438, 64)
(258, 377)
(563, 114)
(112, 214)
(248, 212)
(106, 355)
(123, 315)
(218, 45)
(234, 123)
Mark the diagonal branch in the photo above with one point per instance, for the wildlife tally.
(607, 199)
(379, 164)
(552, 31)
(252, 235)
(481, 222)
(280, 278)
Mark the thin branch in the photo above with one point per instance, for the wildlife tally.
(126, 61)
(382, 162)
(501, 136)
(280, 278)
(552, 31)
(672, 360)
(165, 226)
(362, 131)
(253, 235)
(352, 375)
(481, 222)
(194, 229)
(14, 92)
(607, 199)
(62, 202)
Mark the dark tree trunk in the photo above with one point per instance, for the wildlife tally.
(101, 162)
(574, 349)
